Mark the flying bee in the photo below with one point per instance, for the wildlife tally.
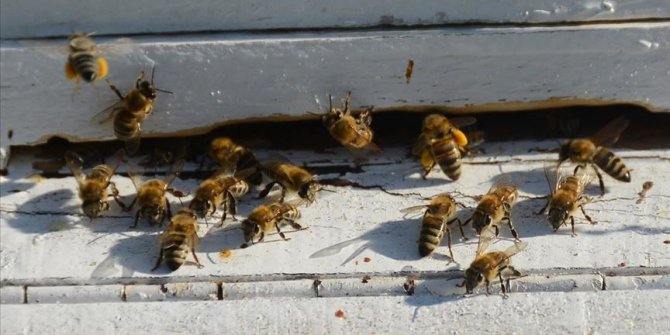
(179, 237)
(129, 113)
(232, 157)
(263, 218)
(93, 186)
(439, 215)
(565, 198)
(84, 61)
(495, 206)
(291, 178)
(592, 151)
(489, 265)
(218, 191)
(442, 143)
(353, 132)
(151, 197)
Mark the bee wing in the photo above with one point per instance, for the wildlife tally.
(505, 179)
(419, 145)
(485, 238)
(117, 47)
(175, 169)
(335, 248)
(413, 209)
(116, 160)
(515, 249)
(275, 156)
(611, 132)
(75, 163)
(134, 172)
(361, 154)
(54, 49)
(106, 114)
(133, 144)
(462, 121)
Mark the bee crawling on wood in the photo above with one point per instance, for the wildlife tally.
(233, 157)
(219, 191)
(442, 143)
(151, 198)
(439, 215)
(593, 152)
(265, 217)
(291, 178)
(496, 206)
(129, 113)
(488, 266)
(352, 131)
(566, 196)
(180, 237)
(93, 186)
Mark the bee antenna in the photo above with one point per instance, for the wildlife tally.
(346, 101)
(330, 102)
(164, 91)
(153, 71)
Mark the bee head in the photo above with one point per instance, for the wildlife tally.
(187, 211)
(147, 89)
(557, 217)
(200, 207)
(250, 230)
(92, 209)
(564, 151)
(154, 214)
(472, 279)
(308, 190)
(480, 220)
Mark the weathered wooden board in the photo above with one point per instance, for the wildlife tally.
(230, 78)
(34, 18)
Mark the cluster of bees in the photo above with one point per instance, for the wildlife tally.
(441, 143)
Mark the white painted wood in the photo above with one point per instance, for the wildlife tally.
(42, 222)
(229, 78)
(618, 312)
(34, 18)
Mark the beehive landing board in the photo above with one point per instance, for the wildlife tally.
(47, 246)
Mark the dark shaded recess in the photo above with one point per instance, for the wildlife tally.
(392, 129)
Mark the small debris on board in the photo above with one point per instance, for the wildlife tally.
(409, 286)
(226, 253)
(366, 279)
(409, 70)
(622, 264)
(367, 259)
(340, 314)
(666, 241)
(645, 187)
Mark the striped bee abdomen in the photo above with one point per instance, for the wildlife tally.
(430, 236)
(85, 64)
(611, 164)
(100, 172)
(175, 253)
(448, 157)
(125, 125)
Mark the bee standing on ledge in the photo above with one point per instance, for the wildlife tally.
(177, 239)
(232, 157)
(291, 178)
(489, 265)
(441, 143)
(565, 198)
(592, 152)
(93, 186)
(495, 206)
(151, 195)
(218, 191)
(129, 113)
(440, 214)
(263, 218)
(353, 132)
(84, 60)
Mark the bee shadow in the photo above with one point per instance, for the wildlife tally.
(49, 204)
(133, 254)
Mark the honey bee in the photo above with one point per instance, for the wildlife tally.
(179, 237)
(84, 61)
(129, 113)
(442, 143)
(592, 151)
(218, 191)
(264, 217)
(439, 215)
(232, 157)
(151, 195)
(565, 198)
(495, 206)
(489, 265)
(93, 186)
(353, 132)
(290, 177)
